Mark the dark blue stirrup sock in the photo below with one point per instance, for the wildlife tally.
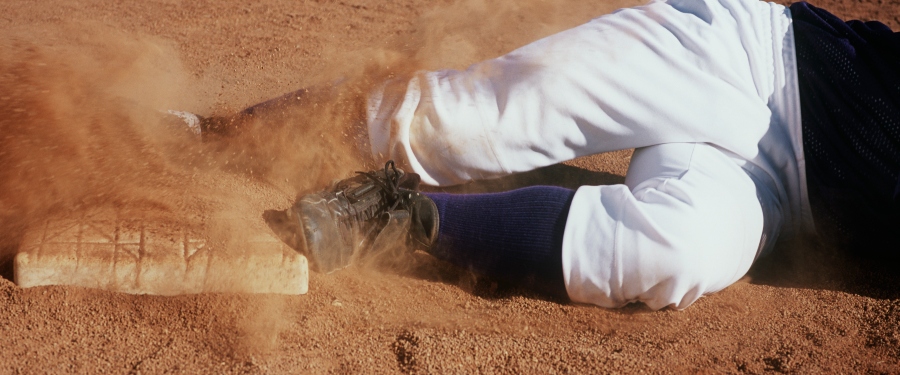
(512, 236)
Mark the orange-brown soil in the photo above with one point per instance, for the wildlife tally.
(80, 82)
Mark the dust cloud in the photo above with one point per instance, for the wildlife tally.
(82, 124)
(467, 31)
(463, 32)
(79, 127)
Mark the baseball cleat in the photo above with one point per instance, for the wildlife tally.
(370, 213)
(191, 121)
(203, 127)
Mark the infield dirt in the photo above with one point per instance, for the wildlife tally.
(81, 83)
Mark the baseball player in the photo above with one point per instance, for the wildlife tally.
(751, 122)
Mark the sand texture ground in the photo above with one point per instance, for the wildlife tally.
(81, 83)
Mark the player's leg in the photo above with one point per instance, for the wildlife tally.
(235, 123)
(514, 236)
(849, 74)
(677, 71)
(689, 222)
(340, 96)
(511, 236)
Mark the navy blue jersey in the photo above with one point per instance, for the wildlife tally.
(849, 77)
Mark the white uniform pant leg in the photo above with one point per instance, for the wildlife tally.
(676, 71)
(686, 223)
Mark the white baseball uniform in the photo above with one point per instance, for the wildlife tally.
(705, 90)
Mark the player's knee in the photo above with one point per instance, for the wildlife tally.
(717, 257)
